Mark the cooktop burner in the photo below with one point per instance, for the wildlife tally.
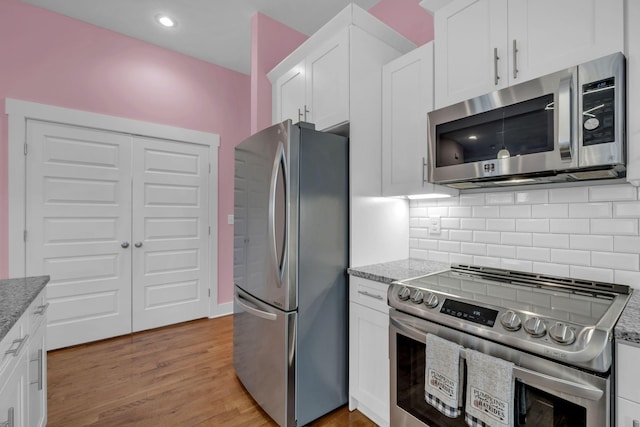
(564, 319)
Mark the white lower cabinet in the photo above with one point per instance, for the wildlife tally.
(369, 350)
(23, 370)
(627, 390)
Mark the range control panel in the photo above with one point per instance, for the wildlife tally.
(472, 313)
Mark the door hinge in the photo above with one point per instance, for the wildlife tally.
(209, 293)
(24, 235)
(25, 148)
(209, 230)
(209, 167)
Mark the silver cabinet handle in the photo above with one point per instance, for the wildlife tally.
(138, 244)
(515, 59)
(636, 423)
(299, 115)
(41, 309)
(21, 342)
(40, 362)
(496, 77)
(367, 294)
(9, 422)
(424, 164)
(124, 244)
(306, 110)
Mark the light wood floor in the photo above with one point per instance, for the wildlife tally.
(181, 375)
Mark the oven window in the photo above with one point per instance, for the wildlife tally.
(532, 407)
(514, 130)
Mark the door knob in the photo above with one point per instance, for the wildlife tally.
(137, 244)
(124, 244)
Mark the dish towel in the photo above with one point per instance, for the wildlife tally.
(490, 391)
(442, 375)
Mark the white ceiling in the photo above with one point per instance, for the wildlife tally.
(216, 31)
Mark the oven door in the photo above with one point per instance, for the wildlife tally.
(546, 393)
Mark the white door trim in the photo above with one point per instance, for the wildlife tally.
(20, 111)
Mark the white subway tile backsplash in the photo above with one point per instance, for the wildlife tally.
(532, 225)
(475, 199)
(589, 232)
(461, 235)
(485, 212)
(473, 248)
(499, 198)
(590, 210)
(590, 273)
(460, 212)
(516, 239)
(532, 197)
(533, 254)
(501, 224)
(615, 261)
(614, 226)
(629, 209)
(572, 226)
(569, 195)
(612, 192)
(501, 251)
(517, 211)
(473, 223)
(486, 237)
(571, 257)
(627, 244)
(591, 243)
(558, 241)
(559, 210)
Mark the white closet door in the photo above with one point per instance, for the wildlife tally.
(170, 228)
(78, 214)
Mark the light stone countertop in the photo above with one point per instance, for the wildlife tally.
(628, 327)
(15, 297)
(388, 272)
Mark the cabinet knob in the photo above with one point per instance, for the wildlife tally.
(124, 244)
(138, 244)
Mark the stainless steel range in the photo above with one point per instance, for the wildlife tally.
(558, 332)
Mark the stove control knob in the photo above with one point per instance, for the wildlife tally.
(511, 321)
(562, 334)
(431, 300)
(404, 293)
(535, 327)
(417, 297)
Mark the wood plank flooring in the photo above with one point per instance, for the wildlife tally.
(181, 375)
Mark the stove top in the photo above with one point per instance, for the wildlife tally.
(563, 319)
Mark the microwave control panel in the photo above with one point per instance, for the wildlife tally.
(598, 112)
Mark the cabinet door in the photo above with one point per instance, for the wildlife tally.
(575, 31)
(327, 82)
(290, 95)
(632, 44)
(369, 362)
(470, 50)
(627, 413)
(13, 395)
(38, 378)
(627, 372)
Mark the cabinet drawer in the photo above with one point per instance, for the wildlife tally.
(628, 371)
(11, 343)
(627, 412)
(369, 293)
(37, 310)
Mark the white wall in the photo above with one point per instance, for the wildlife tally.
(588, 232)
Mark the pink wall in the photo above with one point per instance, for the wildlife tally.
(271, 42)
(52, 59)
(406, 17)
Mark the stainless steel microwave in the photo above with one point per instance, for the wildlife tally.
(565, 126)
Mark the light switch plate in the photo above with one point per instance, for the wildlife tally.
(229, 219)
(434, 225)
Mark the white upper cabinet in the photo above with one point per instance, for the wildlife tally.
(317, 89)
(407, 97)
(632, 44)
(483, 45)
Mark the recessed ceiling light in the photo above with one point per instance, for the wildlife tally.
(165, 20)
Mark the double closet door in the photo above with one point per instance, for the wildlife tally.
(120, 223)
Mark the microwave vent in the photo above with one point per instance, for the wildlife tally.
(584, 175)
(464, 185)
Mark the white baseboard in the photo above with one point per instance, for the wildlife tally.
(222, 310)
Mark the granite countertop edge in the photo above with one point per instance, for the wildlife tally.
(15, 297)
(388, 272)
(628, 327)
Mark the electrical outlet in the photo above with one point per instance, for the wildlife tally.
(434, 225)
(229, 219)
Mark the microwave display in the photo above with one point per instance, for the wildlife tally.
(514, 130)
(598, 112)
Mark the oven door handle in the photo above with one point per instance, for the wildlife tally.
(527, 376)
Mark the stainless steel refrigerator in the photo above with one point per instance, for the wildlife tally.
(290, 257)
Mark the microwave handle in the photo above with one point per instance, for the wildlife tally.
(565, 117)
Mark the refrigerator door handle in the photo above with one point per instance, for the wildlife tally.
(250, 308)
(278, 172)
